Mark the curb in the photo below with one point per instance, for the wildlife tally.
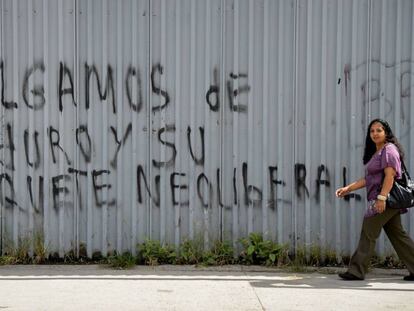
(194, 268)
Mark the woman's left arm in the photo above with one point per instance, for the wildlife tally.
(386, 188)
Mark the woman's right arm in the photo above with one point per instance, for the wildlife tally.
(341, 192)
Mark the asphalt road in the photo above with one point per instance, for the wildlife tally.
(188, 288)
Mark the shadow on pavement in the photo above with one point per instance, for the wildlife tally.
(318, 281)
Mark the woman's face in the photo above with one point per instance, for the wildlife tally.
(377, 133)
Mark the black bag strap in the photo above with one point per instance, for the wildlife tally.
(404, 168)
(403, 171)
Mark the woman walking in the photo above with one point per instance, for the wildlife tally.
(382, 160)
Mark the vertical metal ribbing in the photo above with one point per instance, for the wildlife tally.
(72, 241)
(144, 210)
(120, 128)
(308, 117)
(398, 117)
(163, 170)
(76, 67)
(61, 126)
(46, 118)
(222, 97)
(30, 60)
(16, 85)
(369, 63)
(283, 228)
(265, 117)
(140, 121)
(210, 162)
(339, 129)
(193, 221)
(132, 14)
(204, 223)
(295, 78)
(235, 118)
(383, 56)
(206, 116)
(279, 101)
(89, 205)
(179, 103)
(148, 201)
(324, 123)
(105, 116)
(250, 115)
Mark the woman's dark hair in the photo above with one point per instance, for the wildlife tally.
(370, 147)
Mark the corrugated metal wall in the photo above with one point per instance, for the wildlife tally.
(133, 119)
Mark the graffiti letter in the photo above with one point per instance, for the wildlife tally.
(26, 148)
(200, 192)
(6, 104)
(109, 85)
(133, 72)
(351, 195)
(321, 181)
(65, 70)
(141, 174)
(249, 188)
(168, 128)
(10, 146)
(10, 201)
(78, 189)
(235, 186)
(300, 177)
(57, 189)
(214, 90)
(156, 89)
(127, 132)
(174, 185)
(97, 187)
(274, 182)
(87, 152)
(234, 93)
(38, 208)
(56, 144)
(199, 161)
(37, 91)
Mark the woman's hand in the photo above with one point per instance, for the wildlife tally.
(341, 192)
(380, 206)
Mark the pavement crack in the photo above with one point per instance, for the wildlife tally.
(254, 291)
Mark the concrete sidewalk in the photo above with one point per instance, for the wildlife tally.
(83, 287)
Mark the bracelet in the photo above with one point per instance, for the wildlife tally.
(381, 197)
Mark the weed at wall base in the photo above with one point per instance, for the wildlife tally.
(123, 261)
(152, 253)
(255, 250)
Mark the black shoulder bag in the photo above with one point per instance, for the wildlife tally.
(402, 192)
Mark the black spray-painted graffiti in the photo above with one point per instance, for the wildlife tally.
(107, 91)
(251, 194)
(209, 189)
(375, 90)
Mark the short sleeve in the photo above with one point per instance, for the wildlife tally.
(390, 157)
